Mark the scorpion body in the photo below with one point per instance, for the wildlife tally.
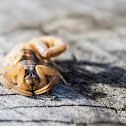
(25, 71)
(29, 60)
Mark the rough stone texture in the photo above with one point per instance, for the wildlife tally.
(95, 34)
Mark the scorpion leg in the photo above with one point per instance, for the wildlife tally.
(9, 84)
(40, 58)
(12, 72)
(64, 81)
(4, 68)
(50, 72)
(57, 66)
(14, 53)
(16, 61)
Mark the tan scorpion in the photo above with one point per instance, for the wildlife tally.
(25, 70)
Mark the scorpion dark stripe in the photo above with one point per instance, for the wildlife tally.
(29, 59)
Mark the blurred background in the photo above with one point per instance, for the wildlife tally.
(95, 34)
(99, 24)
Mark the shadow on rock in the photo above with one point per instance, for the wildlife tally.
(86, 76)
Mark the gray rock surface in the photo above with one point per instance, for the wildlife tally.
(95, 34)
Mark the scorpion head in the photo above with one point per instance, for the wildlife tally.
(31, 78)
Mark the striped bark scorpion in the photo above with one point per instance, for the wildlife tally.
(25, 70)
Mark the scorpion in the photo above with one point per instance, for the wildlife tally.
(25, 70)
